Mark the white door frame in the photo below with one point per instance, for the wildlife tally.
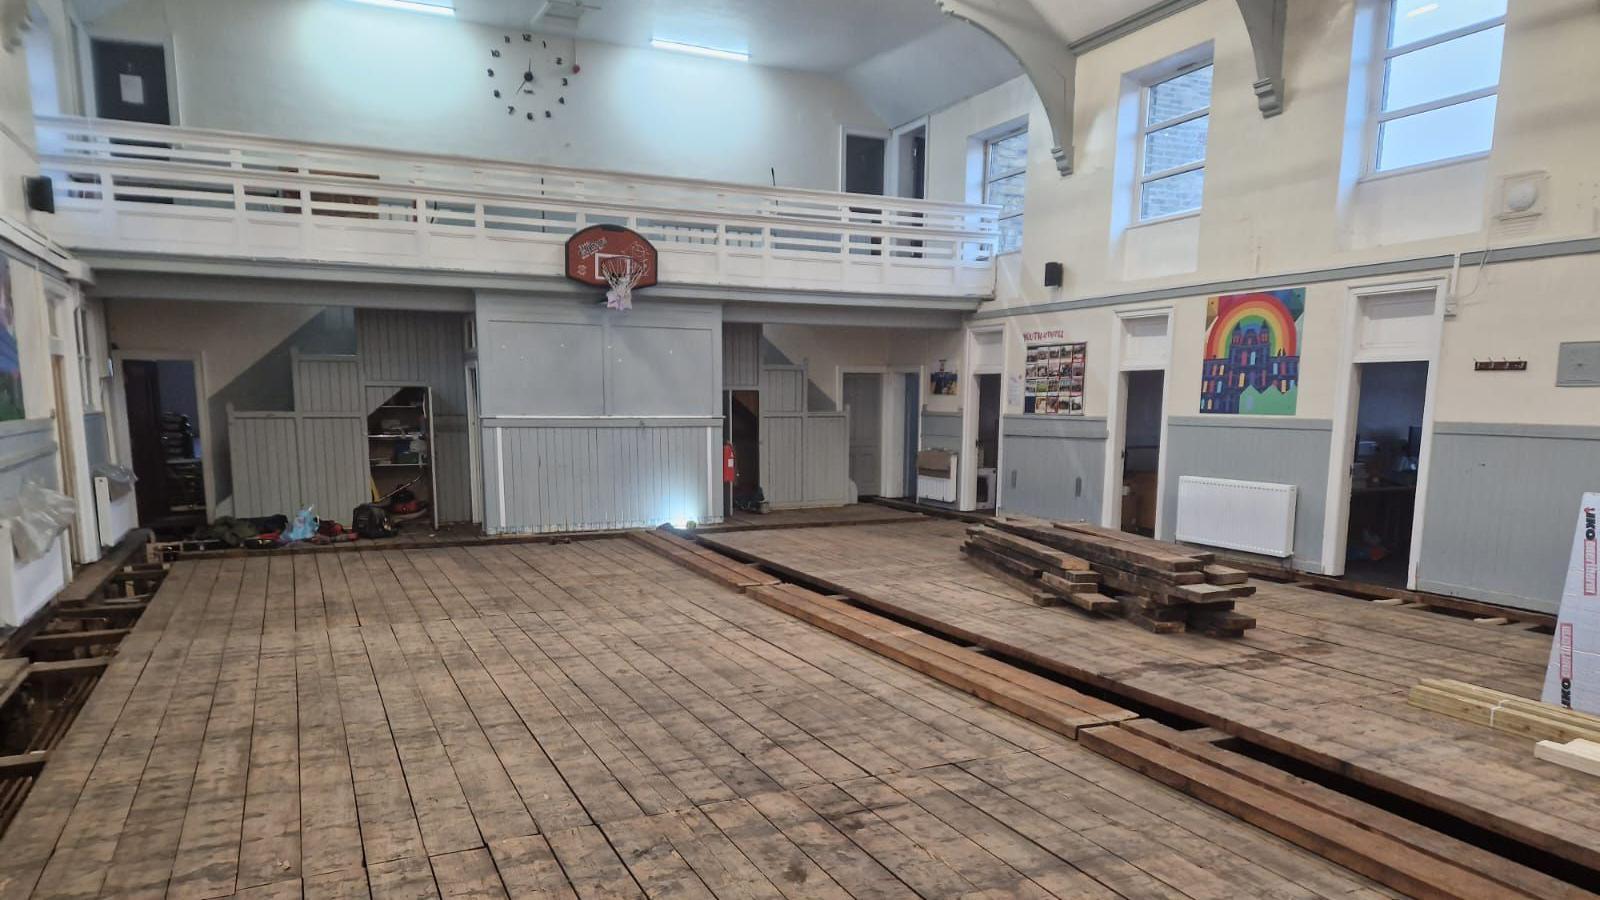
(475, 439)
(1336, 518)
(119, 412)
(891, 420)
(891, 162)
(61, 305)
(1117, 417)
(967, 390)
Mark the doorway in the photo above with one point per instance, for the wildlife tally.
(163, 417)
(912, 439)
(1390, 402)
(744, 433)
(863, 400)
(863, 164)
(988, 439)
(1141, 449)
(130, 81)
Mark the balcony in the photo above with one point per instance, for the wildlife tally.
(129, 188)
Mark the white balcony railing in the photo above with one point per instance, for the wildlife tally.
(128, 187)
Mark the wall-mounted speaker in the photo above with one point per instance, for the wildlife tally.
(41, 193)
(1055, 274)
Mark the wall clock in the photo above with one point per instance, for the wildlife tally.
(528, 77)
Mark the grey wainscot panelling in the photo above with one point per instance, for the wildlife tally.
(741, 357)
(327, 383)
(1054, 466)
(1501, 504)
(1254, 448)
(941, 430)
(284, 462)
(589, 474)
(27, 453)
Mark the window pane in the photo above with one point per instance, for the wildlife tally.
(1008, 193)
(1444, 70)
(1008, 154)
(1010, 234)
(1173, 194)
(1416, 20)
(1438, 134)
(1175, 145)
(1177, 96)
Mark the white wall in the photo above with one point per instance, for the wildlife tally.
(828, 351)
(331, 70)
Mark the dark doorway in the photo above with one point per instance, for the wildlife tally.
(164, 433)
(863, 164)
(744, 433)
(1141, 451)
(988, 438)
(863, 399)
(1383, 477)
(130, 82)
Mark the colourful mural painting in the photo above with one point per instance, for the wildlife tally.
(10, 363)
(1252, 355)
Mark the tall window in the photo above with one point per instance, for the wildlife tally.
(1005, 174)
(1440, 81)
(1174, 119)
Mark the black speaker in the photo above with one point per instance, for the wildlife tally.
(41, 193)
(1054, 274)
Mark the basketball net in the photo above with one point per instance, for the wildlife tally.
(621, 273)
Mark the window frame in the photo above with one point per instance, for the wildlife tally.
(1142, 178)
(1377, 118)
(990, 178)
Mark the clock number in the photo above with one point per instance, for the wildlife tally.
(508, 38)
(547, 114)
(563, 82)
(497, 92)
(558, 60)
(526, 37)
(562, 101)
(530, 117)
(511, 110)
(495, 53)
(491, 73)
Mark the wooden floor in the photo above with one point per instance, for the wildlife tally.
(1321, 678)
(583, 719)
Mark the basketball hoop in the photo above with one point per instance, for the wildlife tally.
(612, 257)
(621, 274)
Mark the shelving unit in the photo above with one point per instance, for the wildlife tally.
(400, 448)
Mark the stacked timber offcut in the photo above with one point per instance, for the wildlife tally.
(1504, 712)
(1159, 586)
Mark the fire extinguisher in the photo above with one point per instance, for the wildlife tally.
(728, 469)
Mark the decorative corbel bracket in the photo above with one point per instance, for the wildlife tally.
(1264, 20)
(14, 19)
(1044, 55)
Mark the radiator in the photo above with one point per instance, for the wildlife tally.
(936, 475)
(116, 510)
(1253, 516)
(25, 587)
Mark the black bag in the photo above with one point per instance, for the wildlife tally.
(371, 521)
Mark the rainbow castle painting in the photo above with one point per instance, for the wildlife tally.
(1252, 358)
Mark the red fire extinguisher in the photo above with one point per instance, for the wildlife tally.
(727, 464)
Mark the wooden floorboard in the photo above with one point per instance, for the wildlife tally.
(1321, 678)
(576, 720)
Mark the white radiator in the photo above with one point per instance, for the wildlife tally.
(25, 587)
(116, 510)
(936, 475)
(1253, 516)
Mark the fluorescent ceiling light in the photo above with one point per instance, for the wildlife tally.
(1422, 10)
(432, 7)
(696, 49)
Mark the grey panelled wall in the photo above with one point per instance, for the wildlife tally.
(1254, 448)
(1501, 504)
(805, 459)
(27, 453)
(407, 347)
(741, 356)
(552, 475)
(1054, 466)
(283, 462)
(941, 430)
(327, 383)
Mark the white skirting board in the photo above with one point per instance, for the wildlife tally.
(1253, 516)
(25, 587)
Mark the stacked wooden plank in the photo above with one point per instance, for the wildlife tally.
(1504, 712)
(1159, 586)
